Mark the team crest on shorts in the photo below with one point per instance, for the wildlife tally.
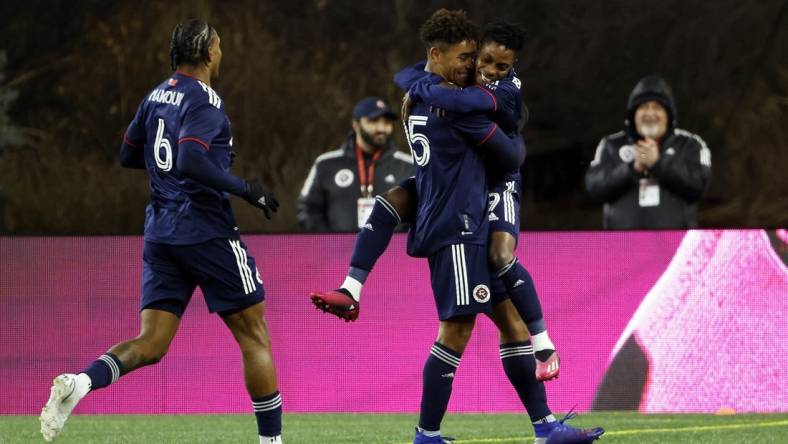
(481, 293)
(343, 178)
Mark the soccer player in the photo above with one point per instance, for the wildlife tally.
(498, 95)
(181, 136)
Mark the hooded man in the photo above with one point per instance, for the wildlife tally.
(651, 174)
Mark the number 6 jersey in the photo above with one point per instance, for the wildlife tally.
(181, 114)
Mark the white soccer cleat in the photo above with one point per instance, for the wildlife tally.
(64, 396)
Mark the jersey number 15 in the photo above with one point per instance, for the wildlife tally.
(413, 137)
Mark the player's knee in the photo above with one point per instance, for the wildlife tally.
(514, 332)
(254, 336)
(399, 198)
(455, 335)
(151, 351)
(499, 256)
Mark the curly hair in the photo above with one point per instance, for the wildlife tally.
(446, 27)
(510, 35)
(190, 42)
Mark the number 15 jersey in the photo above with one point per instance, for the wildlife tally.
(182, 211)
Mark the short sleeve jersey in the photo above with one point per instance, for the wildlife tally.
(182, 211)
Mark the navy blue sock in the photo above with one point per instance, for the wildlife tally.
(522, 291)
(436, 386)
(104, 371)
(520, 367)
(268, 411)
(373, 239)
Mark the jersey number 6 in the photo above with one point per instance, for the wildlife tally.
(413, 137)
(162, 146)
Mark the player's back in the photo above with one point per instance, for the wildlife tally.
(181, 210)
(450, 180)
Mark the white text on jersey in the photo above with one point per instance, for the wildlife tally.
(166, 97)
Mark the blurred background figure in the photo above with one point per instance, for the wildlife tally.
(340, 190)
(651, 174)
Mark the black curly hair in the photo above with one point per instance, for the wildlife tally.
(190, 42)
(510, 35)
(447, 27)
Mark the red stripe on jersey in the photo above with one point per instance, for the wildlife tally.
(492, 96)
(129, 142)
(185, 74)
(192, 139)
(495, 127)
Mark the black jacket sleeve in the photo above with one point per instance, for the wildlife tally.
(607, 178)
(686, 174)
(312, 204)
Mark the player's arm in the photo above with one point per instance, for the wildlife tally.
(507, 152)
(685, 175)
(473, 99)
(132, 154)
(200, 126)
(608, 178)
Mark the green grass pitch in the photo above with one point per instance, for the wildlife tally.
(397, 429)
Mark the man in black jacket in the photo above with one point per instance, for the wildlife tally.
(651, 174)
(340, 190)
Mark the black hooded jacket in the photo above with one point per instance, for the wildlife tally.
(681, 173)
(329, 197)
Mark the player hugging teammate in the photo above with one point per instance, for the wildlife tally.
(464, 136)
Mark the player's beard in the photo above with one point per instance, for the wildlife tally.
(377, 140)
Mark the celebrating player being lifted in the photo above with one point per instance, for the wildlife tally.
(181, 135)
(497, 94)
(451, 228)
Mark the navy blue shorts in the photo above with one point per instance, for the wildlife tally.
(460, 280)
(504, 209)
(226, 274)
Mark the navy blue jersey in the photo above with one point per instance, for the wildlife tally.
(502, 100)
(183, 110)
(451, 182)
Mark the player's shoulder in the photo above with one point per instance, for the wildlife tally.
(200, 94)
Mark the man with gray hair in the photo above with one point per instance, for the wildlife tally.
(651, 174)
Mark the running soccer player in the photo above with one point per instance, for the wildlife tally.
(181, 136)
(499, 95)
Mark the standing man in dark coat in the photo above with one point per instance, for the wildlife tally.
(651, 174)
(340, 190)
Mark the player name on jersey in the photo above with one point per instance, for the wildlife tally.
(166, 97)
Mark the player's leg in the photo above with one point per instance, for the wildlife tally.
(517, 357)
(165, 294)
(232, 287)
(460, 284)
(251, 332)
(391, 209)
(156, 332)
(438, 375)
(510, 275)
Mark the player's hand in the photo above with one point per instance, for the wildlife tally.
(260, 196)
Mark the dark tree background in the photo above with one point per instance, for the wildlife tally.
(73, 73)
